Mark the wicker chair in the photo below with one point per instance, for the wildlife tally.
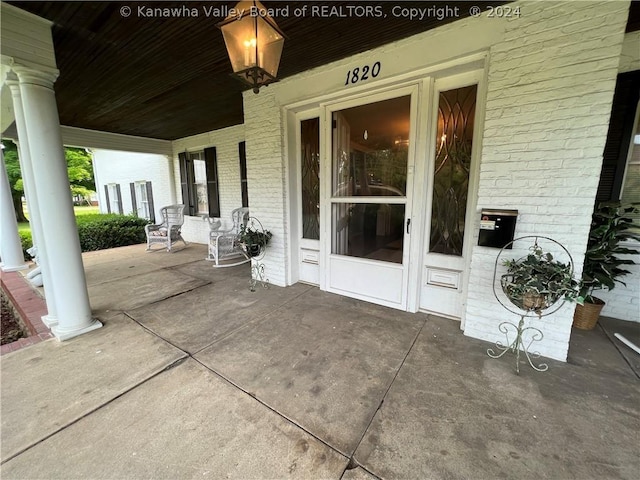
(168, 232)
(223, 244)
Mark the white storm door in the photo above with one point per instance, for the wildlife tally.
(367, 201)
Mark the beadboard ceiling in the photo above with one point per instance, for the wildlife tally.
(168, 78)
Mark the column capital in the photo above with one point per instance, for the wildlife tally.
(36, 76)
(13, 82)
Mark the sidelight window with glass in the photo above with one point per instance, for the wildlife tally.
(454, 137)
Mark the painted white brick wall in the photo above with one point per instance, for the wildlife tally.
(266, 175)
(550, 87)
(226, 141)
(113, 166)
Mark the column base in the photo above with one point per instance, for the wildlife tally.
(49, 321)
(63, 335)
(5, 268)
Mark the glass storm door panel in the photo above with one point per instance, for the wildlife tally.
(368, 203)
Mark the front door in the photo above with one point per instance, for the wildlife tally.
(368, 197)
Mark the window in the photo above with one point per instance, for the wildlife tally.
(242, 154)
(113, 198)
(199, 181)
(142, 200)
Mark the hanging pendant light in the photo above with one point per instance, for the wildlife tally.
(254, 44)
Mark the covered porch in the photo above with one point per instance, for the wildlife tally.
(193, 375)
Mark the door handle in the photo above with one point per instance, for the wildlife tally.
(408, 224)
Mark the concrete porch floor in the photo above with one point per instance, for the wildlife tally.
(193, 376)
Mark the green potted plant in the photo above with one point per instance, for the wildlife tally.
(253, 240)
(537, 281)
(611, 226)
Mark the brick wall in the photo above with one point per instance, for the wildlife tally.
(550, 87)
(226, 142)
(266, 174)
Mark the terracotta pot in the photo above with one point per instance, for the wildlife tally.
(586, 316)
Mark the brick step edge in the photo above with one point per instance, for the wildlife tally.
(20, 291)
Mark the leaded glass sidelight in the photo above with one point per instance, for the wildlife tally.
(310, 169)
(456, 112)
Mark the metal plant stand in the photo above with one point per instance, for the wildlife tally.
(258, 275)
(515, 334)
(518, 344)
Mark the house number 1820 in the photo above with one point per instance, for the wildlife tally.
(360, 74)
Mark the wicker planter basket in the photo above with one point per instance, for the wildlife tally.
(586, 316)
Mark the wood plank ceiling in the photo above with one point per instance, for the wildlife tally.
(169, 78)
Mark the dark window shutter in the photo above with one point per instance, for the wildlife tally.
(614, 157)
(134, 204)
(152, 212)
(242, 154)
(119, 198)
(106, 194)
(211, 165)
(185, 181)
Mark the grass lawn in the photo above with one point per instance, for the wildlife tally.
(82, 210)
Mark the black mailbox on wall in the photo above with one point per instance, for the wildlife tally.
(497, 227)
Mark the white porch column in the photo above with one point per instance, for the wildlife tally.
(10, 245)
(56, 207)
(31, 194)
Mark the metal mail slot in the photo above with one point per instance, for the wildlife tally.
(309, 256)
(497, 227)
(443, 278)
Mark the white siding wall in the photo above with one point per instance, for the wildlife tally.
(550, 88)
(112, 166)
(226, 142)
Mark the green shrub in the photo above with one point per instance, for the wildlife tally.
(27, 243)
(99, 231)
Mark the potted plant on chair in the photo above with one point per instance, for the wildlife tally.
(253, 240)
(610, 227)
(537, 281)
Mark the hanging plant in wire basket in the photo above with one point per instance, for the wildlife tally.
(537, 281)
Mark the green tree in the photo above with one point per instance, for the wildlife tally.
(15, 177)
(79, 171)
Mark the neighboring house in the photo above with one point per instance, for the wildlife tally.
(371, 172)
(132, 183)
